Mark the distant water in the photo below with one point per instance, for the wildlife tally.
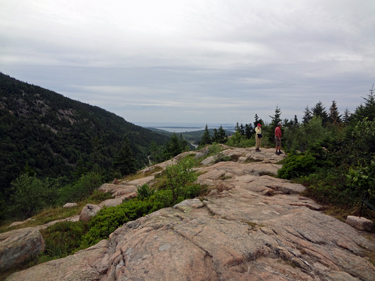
(185, 127)
(178, 129)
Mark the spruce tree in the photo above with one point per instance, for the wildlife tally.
(256, 120)
(346, 117)
(307, 117)
(222, 136)
(242, 129)
(248, 130)
(275, 119)
(206, 139)
(215, 138)
(366, 110)
(295, 121)
(320, 110)
(124, 161)
(334, 115)
(237, 128)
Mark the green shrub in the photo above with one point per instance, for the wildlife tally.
(297, 165)
(80, 190)
(63, 238)
(361, 179)
(144, 192)
(179, 176)
(31, 195)
(214, 149)
(109, 219)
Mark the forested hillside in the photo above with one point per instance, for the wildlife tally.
(47, 134)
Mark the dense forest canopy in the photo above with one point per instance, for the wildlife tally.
(47, 134)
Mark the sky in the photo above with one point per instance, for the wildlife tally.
(193, 61)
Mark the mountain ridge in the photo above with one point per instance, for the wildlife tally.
(48, 133)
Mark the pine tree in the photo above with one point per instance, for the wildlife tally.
(366, 110)
(256, 120)
(320, 110)
(237, 128)
(215, 138)
(275, 119)
(346, 117)
(242, 130)
(184, 146)
(222, 138)
(308, 116)
(295, 121)
(124, 161)
(206, 139)
(248, 130)
(153, 148)
(334, 115)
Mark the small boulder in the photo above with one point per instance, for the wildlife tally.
(208, 160)
(360, 223)
(70, 205)
(189, 203)
(88, 212)
(115, 181)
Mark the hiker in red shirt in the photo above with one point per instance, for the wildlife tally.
(278, 139)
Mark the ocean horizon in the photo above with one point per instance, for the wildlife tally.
(188, 127)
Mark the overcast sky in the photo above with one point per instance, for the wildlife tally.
(193, 61)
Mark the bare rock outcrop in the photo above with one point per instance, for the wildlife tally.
(251, 226)
(360, 223)
(20, 245)
(88, 264)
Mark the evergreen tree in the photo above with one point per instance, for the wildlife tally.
(320, 110)
(248, 130)
(184, 146)
(242, 130)
(172, 147)
(256, 120)
(124, 161)
(366, 110)
(346, 117)
(206, 139)
(237, 128)
(222, 136)
(153, 149)
(334, 115)
(308, 116)
(295, 121)
(275, 119)
(97, 155)
(215, 138)
(80, 169)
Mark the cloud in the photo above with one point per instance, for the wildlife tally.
(193, 60)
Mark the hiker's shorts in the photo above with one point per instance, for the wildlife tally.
(277, 141)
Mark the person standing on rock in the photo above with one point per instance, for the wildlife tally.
(258, 136)
(278, 139)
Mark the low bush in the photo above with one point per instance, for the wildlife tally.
(63, 239)
(297, 165)
(144, 192)
(80, 190)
